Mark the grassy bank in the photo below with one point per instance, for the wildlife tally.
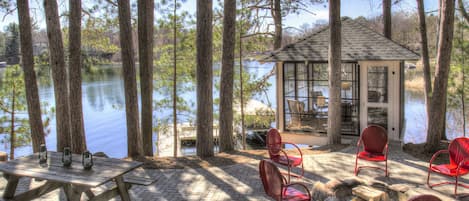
(415, 84)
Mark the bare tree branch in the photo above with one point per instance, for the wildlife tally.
(4, 108)
(112, 3)
(8, 12)
(463, 11)
(266, 7)
(257, 34)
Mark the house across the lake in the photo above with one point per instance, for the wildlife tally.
(372, 84)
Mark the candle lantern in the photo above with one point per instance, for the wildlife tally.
(43, 154)
(87, 160)
(67, 157)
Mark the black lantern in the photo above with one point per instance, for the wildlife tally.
(87, 160)
(67, 157)
(43, 154)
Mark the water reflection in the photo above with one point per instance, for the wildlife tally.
(104, 114)
(104, 117)
(416, 118)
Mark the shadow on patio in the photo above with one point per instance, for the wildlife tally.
(239, 179)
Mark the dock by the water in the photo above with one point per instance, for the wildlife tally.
(186, 135)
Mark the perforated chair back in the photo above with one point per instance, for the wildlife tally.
(274, 143)
(272, 179)
(458, 151)
(374, 139)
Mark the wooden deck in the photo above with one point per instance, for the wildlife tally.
(186, 132)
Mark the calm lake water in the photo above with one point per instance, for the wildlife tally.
(104, 112)
(104, 115)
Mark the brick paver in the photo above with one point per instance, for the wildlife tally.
(241, 181)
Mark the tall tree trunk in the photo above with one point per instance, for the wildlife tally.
(463, 94)
(59, 74)
(78, 139)
(134, 138)
(463, 101)
(12, 131)
(32, 95)
(387, 18)
(226, 80)
(204, 75)
(425, 57)
(438, 25)
(437, 113)
(145, 46)
(277, 16)
(334, 122)
(463, 13)
(241, 95)
(443, 137)
(175, 118)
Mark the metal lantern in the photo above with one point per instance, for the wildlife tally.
(87, 160)
(43, 154)
(67, 157)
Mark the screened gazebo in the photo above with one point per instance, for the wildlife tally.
(372, 84)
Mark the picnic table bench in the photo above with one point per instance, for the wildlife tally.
(74, 179)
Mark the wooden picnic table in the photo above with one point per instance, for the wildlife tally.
(74, 179)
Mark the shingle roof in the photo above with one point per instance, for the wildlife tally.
(358, 43)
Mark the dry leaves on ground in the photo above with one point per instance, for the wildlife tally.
(223, 159)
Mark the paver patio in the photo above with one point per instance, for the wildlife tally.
(241, 181)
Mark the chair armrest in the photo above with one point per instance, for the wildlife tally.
(358, 145)
(297, 184)
(435, 155)
(297, 148)
(286, 156)
(283, 179)
(386, 149)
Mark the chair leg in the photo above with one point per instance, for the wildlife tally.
(386, 168)
(356, 163)
(456, 186)
(428, 178)
(302, 170)
(289, 173)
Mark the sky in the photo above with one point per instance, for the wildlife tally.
(350, 8)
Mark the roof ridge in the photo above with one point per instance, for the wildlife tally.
(298, 41)
(360, 43)
(322, 29)
(306, 37)
(379, 34)
(315, 33)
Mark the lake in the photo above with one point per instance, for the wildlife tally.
(104, 114)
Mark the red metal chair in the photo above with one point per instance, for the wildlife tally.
(278, 155)
(276, 186)
(458, 151)
(375, 148)
(426, 197)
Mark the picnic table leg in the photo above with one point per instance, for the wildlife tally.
(123, 192)
(89, 194)
(72, 192)
(11, 186)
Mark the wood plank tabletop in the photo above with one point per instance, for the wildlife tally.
(103, 170)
